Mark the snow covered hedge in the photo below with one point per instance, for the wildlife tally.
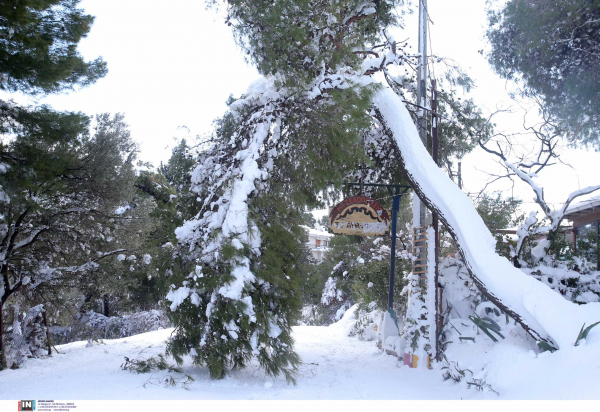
(95, 326)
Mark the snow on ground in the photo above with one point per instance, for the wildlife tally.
(335, 367)
(515, 369)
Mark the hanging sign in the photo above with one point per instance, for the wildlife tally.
(359, 215)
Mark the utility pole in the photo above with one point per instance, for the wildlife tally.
(420, 210)
(439, 321)
(422, 260)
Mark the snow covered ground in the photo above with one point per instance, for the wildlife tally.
(335, 367)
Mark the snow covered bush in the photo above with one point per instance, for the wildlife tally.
(367, 323)
(26, 338)
(460, 294)
(335, 299)
(96, 326)
(552, 261)
(311, 316)
(575, 286)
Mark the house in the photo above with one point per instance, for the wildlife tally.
(318, 241)
(585, 216)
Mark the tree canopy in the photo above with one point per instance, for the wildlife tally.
(38, 46)
(553, 47)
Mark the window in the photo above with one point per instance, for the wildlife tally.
(318, 243)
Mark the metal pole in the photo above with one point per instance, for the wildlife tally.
(422, 92)
(395, 208)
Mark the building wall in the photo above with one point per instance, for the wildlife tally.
(318, 252)
(593, 216)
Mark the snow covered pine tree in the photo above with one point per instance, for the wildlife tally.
(314, 114)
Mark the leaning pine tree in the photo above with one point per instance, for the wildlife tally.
(315, 114)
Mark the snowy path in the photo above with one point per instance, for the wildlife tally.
(346, 369)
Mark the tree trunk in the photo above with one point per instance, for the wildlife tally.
(105, 306)
(47, 332)
(543, 313)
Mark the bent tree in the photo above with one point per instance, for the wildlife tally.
(315, 113)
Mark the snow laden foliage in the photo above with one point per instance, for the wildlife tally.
(313, 116)
(460, 294)
(331, 292)
(554, 217)
(573, 285)
(419, 328)
(334, 300)
(275, 150)
(244, 255)
(64, 181)
(26, 336)
(96, 326)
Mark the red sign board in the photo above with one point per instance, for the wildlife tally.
(359, 215)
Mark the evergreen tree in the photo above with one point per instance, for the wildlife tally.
(38, 46)
(169, 190)
(46, 155)
(315, 117)
(240, 285)
(553, 47)
(60, 192)
(500, 213)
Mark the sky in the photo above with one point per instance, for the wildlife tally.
(173, 64)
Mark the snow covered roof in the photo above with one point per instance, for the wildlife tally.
(316, 232)
(508, 230)
(590, 203)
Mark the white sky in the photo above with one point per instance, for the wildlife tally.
(174, 64)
